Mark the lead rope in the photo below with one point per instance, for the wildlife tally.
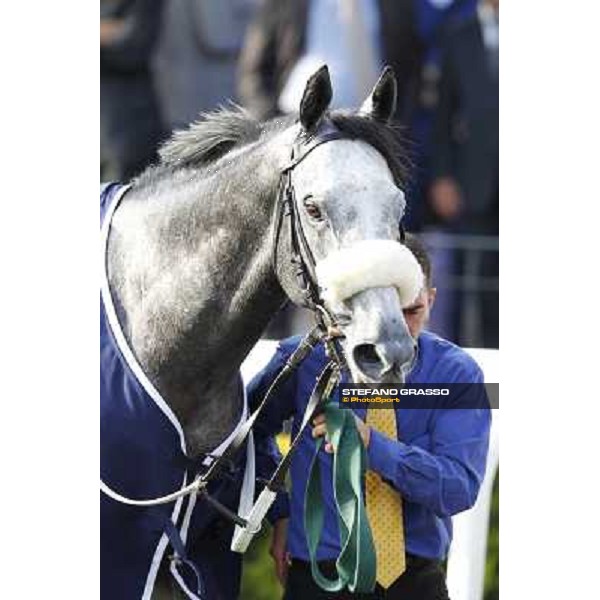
(356, 563)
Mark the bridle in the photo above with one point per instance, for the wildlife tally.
(286, 206)
(301, 255)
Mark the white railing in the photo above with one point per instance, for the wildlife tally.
(466, 563)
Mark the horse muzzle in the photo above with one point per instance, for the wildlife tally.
(378, 345)
(366, 285)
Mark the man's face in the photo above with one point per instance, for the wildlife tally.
(417, 314)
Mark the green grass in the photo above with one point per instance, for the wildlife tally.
(259, 581)
(492, 565)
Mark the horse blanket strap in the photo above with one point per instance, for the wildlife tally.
(180, 556)
(356, 564)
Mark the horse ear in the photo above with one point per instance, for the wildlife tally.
(316, 99)
(381, 102)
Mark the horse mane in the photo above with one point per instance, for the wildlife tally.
(210, 137)
(216, 133)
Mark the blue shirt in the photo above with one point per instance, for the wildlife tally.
(437, 465)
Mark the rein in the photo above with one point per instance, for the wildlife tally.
(200, 484)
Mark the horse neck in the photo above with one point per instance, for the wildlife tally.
(190, 268)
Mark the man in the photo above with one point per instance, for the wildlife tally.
(464, 191)
(130, 122)
(434, 465)
(196, 57)
(433, 17)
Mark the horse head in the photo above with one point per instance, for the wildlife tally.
(349, 206)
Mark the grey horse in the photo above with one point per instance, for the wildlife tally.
(191, 245)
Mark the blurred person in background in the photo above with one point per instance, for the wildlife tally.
(195, 62)
(130, 123)
(433, 17)
(289, 39)
(464, 191)
(465, 186)
(435, 464)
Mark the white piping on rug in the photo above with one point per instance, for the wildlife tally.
(247, 486)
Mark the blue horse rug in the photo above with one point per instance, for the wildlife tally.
(143, 455)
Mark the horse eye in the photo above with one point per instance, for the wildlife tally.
(314, 212)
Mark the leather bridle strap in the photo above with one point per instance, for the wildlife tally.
(287, 206)
(322, 390)
(301, 254)
(242, 537)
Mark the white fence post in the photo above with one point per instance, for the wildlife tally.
(466, 563)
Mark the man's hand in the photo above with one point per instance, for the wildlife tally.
(277, 550)
(446, 199)
(320, 430)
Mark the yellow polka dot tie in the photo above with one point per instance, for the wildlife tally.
(384, 509)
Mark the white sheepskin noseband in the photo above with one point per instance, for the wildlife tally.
(368, 264)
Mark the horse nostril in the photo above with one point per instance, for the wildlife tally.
(382, 359)
(366, 356)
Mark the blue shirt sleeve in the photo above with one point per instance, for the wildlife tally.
(270, 422)
(446, 479)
